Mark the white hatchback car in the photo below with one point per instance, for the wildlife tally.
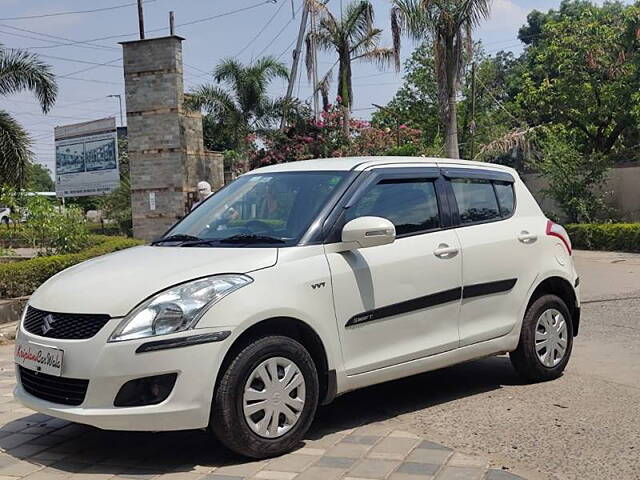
(297, 283)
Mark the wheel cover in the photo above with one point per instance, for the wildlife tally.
(274, 397)
(551, 337)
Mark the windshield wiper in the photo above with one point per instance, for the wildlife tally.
(251, 238)
(178, 237)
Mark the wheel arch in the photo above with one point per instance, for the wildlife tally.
(293, 328)
(563, 288)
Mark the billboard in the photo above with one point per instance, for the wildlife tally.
(87, 158)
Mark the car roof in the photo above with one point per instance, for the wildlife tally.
(362, 163)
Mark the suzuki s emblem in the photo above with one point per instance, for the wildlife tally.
(47, 324)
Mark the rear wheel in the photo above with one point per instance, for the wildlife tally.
(546, 340)
(266, 399)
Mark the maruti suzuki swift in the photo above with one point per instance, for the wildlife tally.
(295, 284)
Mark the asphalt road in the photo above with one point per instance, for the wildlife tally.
(585, 425)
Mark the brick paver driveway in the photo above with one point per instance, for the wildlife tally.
(36, 447)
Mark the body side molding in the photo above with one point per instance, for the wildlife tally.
(432, 300)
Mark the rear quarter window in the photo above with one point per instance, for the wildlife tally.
(506, 198)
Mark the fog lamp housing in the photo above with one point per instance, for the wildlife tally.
(145, 391)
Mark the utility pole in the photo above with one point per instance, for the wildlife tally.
(172, 24)
(296, 58)
(119, 97)
(314, 77)
(472, 125)
(141, 19)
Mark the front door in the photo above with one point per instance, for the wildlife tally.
(398, 302)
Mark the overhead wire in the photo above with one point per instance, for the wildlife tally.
(76, 12)
(261, 31)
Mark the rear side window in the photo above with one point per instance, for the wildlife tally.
(411, 205)
(506, 199)
(476, 200)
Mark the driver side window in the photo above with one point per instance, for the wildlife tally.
(410, 204)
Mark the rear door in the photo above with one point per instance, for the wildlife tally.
(499, 251)
(399, 302)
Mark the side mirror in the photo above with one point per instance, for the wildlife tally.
(365, 232)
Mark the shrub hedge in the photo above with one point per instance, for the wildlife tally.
(624, 237)
(22, 278)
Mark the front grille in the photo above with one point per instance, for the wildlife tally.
(67, 391)
(69, 326)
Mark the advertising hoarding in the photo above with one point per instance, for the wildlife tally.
(87, 158)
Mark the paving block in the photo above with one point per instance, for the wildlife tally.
(460, 473)
(462, 460)
(321, 473)
(349, 450)
(502, 475)
(292, 462)
(432, 445)
(395, 446)
(362, 439)
(275, 475)
(429, 455)
(335, 462)
(373, 468)
(241, 469)
(414, 468)
(215, 476)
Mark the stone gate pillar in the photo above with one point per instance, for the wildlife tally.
(166, 152)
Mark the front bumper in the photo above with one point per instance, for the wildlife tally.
(108, 366)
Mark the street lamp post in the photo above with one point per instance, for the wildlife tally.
(119, 97)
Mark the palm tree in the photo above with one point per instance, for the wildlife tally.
(21, 70)
(243, 106)
(449, 23)
(353, 37)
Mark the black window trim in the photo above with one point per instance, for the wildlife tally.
(376, 175)
(451, 174)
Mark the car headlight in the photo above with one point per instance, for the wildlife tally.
(177, 308)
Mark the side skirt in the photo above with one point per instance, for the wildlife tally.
(495, 346)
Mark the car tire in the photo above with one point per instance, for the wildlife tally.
(242, 386)
(5, 220)
(547, 318)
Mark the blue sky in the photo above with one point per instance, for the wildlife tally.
(83, 96)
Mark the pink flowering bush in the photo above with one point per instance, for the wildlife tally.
(308, 139)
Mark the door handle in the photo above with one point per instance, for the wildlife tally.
(526, 237)
(445, 251)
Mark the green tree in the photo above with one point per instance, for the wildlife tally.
(39, 179)
(353, 38)
(21, 70)
(449, 24)
(583, 71)
(574, 179)
(415, 104)
(243, 106)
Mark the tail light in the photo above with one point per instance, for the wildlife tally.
(556, 230)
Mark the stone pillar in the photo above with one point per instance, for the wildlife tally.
(166, 151)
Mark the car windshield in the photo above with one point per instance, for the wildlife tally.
(267, 209)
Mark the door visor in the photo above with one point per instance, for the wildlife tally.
(478, 174)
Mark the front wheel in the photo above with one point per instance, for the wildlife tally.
(266, 399)
(546, 340)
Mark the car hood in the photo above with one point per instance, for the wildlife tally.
(114, 284)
